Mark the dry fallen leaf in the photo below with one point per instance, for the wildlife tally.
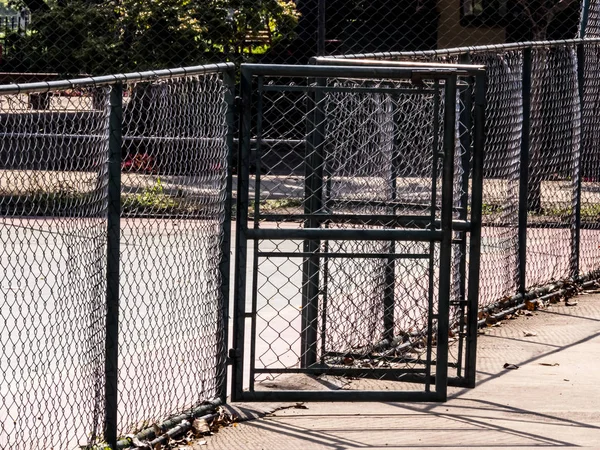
(529, 333)
(549, 364)
(200, 427)
(531, 306)
(510, 366)
(571, 303)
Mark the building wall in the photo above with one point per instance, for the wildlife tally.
(452, 34)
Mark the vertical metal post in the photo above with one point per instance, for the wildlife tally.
(314, 162)
(524, 173)
(224, 266)
(321, 29)
(578, 170)
(464, 133)
(112, 267)
(241, 239)
(258, 113)
(475, 247)
(432, 227)
(585, 13)
(443, 316)
(389, 292)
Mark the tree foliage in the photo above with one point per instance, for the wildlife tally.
(101, 36)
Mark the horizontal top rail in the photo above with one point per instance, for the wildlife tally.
(466, 50)
(365, 71)
(333, 61)
(46, 86)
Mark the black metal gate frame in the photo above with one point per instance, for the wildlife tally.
(443, 235)
(472, 140)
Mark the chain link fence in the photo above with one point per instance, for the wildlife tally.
(540, 205)
(104, 36)
(359, 313)
(61, 183)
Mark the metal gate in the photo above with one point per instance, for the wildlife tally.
(359, 196)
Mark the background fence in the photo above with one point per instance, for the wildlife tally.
(540, 201)
(79, 275)
(76, 36)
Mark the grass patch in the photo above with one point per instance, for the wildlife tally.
(274, 205)
(153, 199)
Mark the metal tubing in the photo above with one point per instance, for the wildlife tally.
(475, 247)
(420, 90)
(524, 173)
(336, 61)
(241, 238)
(585, 12)
(346, 255)
(461, 50)
(256, 213)
(355, 71)
(104, 80)
(313, 202)
(441, 372)
(112, 267)
(375, 220)
(348, 234)
(389, 302)
(464, 133)
(577, 171)
(343, 395)
(225, 264)
(341, 371)
(433, 209)
(150, 433)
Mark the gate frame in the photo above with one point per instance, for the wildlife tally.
(472, 115)
(379, 69)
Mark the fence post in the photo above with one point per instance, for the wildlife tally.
(465, 135)
(524, 173)
(225, 264)
(443, 315)
(112, 267)
(476, 220)
(585, 13)
(578, 169)
(241, 239)
(313, 203)
(389, 290)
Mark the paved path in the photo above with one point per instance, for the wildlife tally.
(552, 400)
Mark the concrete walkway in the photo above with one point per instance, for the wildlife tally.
(552, 399)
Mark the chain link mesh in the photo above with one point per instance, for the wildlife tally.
(504, 118)
(76, 37)
(553, 163)
(562, 150)
(589, 261)
(53, 232)
(54, 177)
(380, 142)
(173, 191)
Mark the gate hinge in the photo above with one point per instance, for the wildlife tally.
(232, 355)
